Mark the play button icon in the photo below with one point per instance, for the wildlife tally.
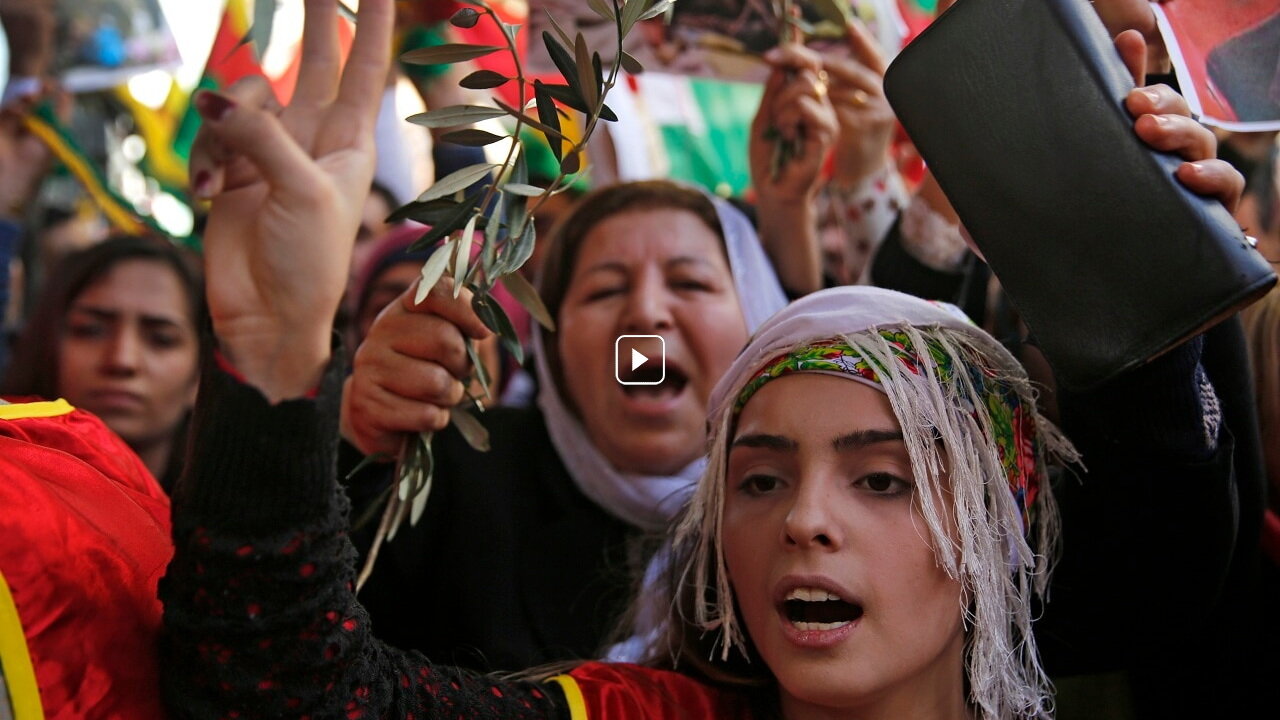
(640, 359)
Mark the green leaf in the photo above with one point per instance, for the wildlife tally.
(604, 11)
(586, 75)
(448, 53)
(564, 36)
(566, 95)
(432, 269)
(520, 172)
(465, 18)
(522, 250)
(492, 230)
(264, 16)
(572, 163)
(631, 65)
(457, 180)
(495, 318)
(545, 129)
(567, 68)
(472, 137)
(521, 290)
(549, 116)
(455, 220)
(424, 492)
(657, 9)
(631, 13)
(464, 255)
(428, 213)
(523, 190)
(481, 373)
(455, 115)
(472, 430)
(483, 80)
(510, 30)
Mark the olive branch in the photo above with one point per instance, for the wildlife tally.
(507, 232)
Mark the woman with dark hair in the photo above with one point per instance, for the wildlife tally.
(117, 332)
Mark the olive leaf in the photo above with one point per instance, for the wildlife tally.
(483, 80)
(604, 11)
(631, 65)
(521, 290)
(471, 137)
(264, 15)
(472, 430)
(522, 189)
(550, 132)
(657, 9)
(568, 96)
(568, 69)
(549, 116)
(455, 115)
(457, 180)
(424, 491)
(448, 53)
(464, 254)
(465, 18)
(432, 269)
(586, 74)
(564, 36)
(481, 372)
(455, 220)
(495, 318)
(631, 13)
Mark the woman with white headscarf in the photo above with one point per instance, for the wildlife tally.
(538, 539)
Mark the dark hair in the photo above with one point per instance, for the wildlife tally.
(34, 370)
(592, 209)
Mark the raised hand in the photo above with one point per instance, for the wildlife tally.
(794, 109)
(866, 120)
(288, 185)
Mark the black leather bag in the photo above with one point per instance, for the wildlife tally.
(1017, 107)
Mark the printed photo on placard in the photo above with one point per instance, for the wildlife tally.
(1227, 57)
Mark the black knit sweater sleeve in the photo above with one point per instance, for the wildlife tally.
(260, 615)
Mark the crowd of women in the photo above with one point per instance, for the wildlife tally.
(845, 499)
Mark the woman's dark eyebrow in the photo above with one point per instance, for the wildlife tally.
(686, 260)
(761, 440)
(862, 438)
(109, 315)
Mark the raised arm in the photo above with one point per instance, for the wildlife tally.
(260, 616)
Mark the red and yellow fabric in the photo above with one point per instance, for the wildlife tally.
(617, 691)
(79, 565)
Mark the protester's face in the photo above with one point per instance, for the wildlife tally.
(129, 351)
(651, 272)
(828, 554)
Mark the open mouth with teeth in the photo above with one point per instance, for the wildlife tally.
(817, 609)
(670, 386)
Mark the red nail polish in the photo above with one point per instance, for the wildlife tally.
(213, 106)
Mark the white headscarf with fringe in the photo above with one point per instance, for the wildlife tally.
(650, 502)
(989, 553)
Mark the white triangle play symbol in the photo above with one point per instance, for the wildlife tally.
(637, 359)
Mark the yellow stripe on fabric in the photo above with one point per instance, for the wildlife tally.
(15, 659)
(123, 220)
(42, 409)
(573, 694)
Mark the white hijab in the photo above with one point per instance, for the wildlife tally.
(650, 501)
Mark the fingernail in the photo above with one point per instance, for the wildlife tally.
(1161, 120)
(213, 106)
(1195, 167)
(1152, 95)
(773, 55)
(200, 185)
